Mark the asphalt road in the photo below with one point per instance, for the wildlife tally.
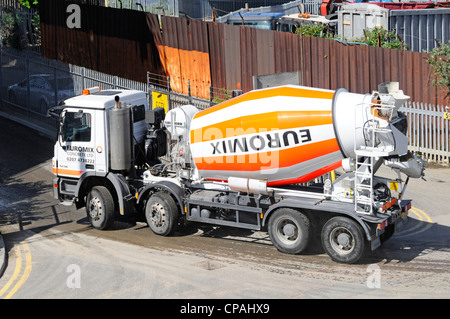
(54, 253)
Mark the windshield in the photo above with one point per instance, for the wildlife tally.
(76, 127)
(264, 25)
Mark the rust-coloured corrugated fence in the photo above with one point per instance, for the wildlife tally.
(113, 41)
(199, 55)
(359, 68)
(186, 53)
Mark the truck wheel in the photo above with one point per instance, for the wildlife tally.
(100, 207)
(161, 213)
(343, 240)
(289, 230)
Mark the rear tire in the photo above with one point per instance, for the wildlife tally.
(100, 208)
(289, 230)
(161, 213)
(343, 240)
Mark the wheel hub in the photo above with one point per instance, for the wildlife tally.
(342, 240)
(157, 214)
(95, 208)
(289, 230)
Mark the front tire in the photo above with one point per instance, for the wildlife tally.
(289, 230)
(343, 240)
(161, 213)
(100, 208)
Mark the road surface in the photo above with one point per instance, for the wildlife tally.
(52, 251)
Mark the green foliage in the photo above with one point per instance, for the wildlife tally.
(313, 30)
(380, 37)
(9, 31)
(28, 3)
(439, 60)
(222, 95)
(20, 27)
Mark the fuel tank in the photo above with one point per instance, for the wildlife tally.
(283, 135)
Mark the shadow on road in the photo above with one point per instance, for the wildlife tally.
(418, 238)
(18, 201)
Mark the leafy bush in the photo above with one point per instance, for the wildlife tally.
(377, 37)
(313, 30)
(440, 62)
(9, 30)
(380, 37)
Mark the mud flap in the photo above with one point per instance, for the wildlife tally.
(375, 243)
(401, 222)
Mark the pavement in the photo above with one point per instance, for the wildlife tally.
(42, 131)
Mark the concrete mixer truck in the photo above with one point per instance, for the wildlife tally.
(252, 162)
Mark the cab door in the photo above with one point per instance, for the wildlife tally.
(76, 143)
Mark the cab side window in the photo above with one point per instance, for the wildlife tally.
(77, 127)
(138, 113)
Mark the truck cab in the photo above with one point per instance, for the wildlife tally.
(83, 147)
(264, 21)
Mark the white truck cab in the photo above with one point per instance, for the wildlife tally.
(83, 145)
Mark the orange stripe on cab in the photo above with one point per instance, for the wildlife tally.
(70, 172)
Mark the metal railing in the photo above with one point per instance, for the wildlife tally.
(428, 131)
(161, 84)
(28, 90)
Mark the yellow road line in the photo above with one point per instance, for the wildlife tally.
(413, 210)
(16, 273)
(419, 227)
(425, 214)
(23, 246)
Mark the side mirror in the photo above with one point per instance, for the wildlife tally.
(55, 111)
(61, 130)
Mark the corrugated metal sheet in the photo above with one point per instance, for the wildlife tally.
(216, 55)
(257, 55)
(331, 65)
(110, 40)
(420, 28)
(187, 55)
(130, 43)
(232, 55)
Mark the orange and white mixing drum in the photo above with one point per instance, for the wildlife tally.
(283, 135)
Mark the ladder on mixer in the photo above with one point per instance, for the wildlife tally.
(365, 162)
(363, 193)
